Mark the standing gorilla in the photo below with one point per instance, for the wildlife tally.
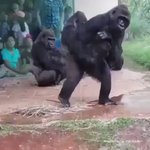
(114, 22)
(94, 45)
(49, 62)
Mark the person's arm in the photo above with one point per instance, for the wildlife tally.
(7, 64)
(38, 18)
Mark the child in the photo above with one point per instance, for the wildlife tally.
(11, 56)
(26, 51)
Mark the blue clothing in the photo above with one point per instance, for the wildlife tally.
(58, 43)
(4, 29)
(1, 59)
(11, 56)
(50, 13)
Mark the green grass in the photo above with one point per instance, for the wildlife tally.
(138, 50)
(96, 132)
(6, 130)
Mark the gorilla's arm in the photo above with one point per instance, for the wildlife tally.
(91, 27)
(39, 54)
(116, 20)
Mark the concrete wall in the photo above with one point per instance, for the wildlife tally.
(94, 7)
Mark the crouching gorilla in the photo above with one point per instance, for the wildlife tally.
(49, 62)
(94, 46)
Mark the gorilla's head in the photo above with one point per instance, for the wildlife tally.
(47, 38)
(119, 20)
(77, 19)
(119, 17)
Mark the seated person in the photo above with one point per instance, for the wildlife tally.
(48, 61)
(11, 57)
(26, 51)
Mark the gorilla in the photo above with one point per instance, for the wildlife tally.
(114, 22)
(94, 46)
(49, 62)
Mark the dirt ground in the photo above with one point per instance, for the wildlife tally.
(129, 88)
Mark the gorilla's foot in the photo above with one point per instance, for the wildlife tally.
(64, 102)
(107, 102)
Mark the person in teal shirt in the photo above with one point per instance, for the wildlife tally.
(11, 56)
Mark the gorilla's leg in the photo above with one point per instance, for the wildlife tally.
(105, 78)
(47, 78)
(44, 77)
(74, 75)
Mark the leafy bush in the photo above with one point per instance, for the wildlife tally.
(138, 27)
(140, 17)
(138, 50)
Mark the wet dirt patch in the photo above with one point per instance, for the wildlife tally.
(128, 105)
(120, 134)
(95, 132)
(51, 139)
(19, 119)
(123, 133)
(136, 136)
(25, 103)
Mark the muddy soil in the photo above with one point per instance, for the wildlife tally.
(136, 136)
(129, 88)
(52, 140)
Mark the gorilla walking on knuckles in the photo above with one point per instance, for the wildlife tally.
(94, 46)
(48, 61)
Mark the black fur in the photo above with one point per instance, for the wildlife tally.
(93, 45)
(108, 22)
(48, 58)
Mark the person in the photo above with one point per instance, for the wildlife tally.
(11, 57)
(19, 28)
(1, 47)
(32, 18)
(21, 4)
(4, 25)
(67, 13)
(51, 13)
(26, 51)
(1, 44)
(48, 62)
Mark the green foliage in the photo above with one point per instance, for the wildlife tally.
(5, 130)
(140, 17)
(145, 10)
(95, 131)
(139, 51)
(138, 27)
